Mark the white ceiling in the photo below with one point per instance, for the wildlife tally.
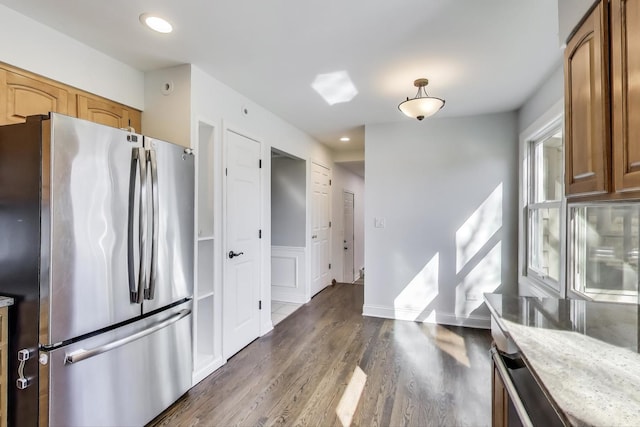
(481, 56)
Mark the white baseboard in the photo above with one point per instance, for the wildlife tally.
(480, 322)
(206, 370)
(266, 327)
(283, 295)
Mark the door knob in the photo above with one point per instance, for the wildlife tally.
(233, 254)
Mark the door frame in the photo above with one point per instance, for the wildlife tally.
(353, 235)
(264, 294)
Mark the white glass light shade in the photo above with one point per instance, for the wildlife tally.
(419, 108)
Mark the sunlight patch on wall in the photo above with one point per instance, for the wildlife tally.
(485, 277)
(335, 87)
(351, 396)
(476, 231)
(419, 293)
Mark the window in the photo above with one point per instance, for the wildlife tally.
(544, 190)
(603, 251)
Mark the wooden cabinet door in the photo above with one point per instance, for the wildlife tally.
(587, 132)
(22, 96)
(625, 69)
(499, 401)
(103, 112)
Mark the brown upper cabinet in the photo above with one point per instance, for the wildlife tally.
(25, 94)
(602, 103)
(625, 72)
(587, 134)
(106, 113)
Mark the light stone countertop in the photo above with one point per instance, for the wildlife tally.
(5, 301)
(584, 354)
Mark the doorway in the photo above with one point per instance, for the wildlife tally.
(349, 237)
(288, 235)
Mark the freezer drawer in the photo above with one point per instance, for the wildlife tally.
(97, 382)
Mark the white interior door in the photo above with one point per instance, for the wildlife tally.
(241, 286)
(348, 237)
(320, 224)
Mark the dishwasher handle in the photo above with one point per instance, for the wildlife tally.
(82, 354)
(511, 389)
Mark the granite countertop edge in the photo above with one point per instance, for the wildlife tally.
(576, 413)
(5, 301)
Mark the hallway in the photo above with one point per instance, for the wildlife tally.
(326, 365)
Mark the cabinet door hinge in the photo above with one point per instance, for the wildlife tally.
(226, 172)
(260, 305)
(329, 266)
(260, 163)
(329, 182)
(329, 224)
(259, 234)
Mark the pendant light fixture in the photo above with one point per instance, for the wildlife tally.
(422, 105)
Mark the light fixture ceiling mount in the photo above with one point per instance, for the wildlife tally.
(422, 105)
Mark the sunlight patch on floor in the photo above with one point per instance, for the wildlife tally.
(449, 342)
(351, 396)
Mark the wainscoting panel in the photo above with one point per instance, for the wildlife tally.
(288, 273)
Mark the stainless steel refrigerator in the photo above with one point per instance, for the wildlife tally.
(96, 248)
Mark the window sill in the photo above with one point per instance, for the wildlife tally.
(535, 288)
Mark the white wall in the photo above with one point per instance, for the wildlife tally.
(168, 114)
(223, 107)
(550, 91)
(446, 189)
(542, 109)
(570, 13)
(343, 179)
(29, 45)
(288, 202)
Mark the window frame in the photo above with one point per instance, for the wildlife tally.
(606, 295)
(529, 282)
(532, 205)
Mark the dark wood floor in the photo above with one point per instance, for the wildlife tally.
(328, 365)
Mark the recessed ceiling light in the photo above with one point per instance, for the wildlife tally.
(156, 23)
(345, 139)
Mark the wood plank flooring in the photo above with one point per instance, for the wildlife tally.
(327, 357)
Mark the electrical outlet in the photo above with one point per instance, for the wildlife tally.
(379, 222)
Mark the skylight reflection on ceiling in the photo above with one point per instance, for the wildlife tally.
(335, 87)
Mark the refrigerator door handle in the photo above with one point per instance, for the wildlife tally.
(80, 355)
(138, 157)
(151, 290)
